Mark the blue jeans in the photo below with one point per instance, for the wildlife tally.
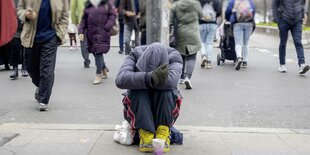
(207, 33)
(188, 65)
(84, 50)
(127, 37)
(296, 31)
(242, 33)
(100, 64)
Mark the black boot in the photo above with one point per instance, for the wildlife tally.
(14, 75)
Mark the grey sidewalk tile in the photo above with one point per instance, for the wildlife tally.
(24, 138)
(56, 149)
(299, 142)
(6, 137)
(5, 152)
(256, 144)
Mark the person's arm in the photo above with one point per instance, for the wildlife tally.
(111, 18)
(21, 10)
(82, 26)
(305, 17)
(175, 71)
(218, 8)
(229, 9)
(275, 7)
(63, 21)
(128, 77)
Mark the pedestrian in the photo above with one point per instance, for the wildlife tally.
(187, 14)
(121, 20)
(98, 19)
(241, 14)
(72, 29)
(212, 10)
(142, 21)
(289, 14)
(45, 25)
(17, 51)
(77, 8)
(152, 103)
(130, 9)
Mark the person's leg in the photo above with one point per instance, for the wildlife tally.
(32, 56)
(137, 37)
(71, 39)
(127, 38)
(74, 39)
(190, 65)
(238, 35)
(99, 66)
(47, 69)
(296, 34)
(209, 43)
(121, 37)
(283, 28)
(184, 58)
(84, 51)
(203, 33)
(246, 37)
(143, 37)
(15, 56)
(24, 62)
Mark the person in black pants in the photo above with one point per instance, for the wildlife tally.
(121, 28)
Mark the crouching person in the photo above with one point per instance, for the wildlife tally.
(152, 103)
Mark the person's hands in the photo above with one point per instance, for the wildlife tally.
(159, 75)
(81, 36)
(31, 15)
(129, 13)
(305, 19)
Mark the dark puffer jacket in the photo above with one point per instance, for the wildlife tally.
(135, 71)
(98, 23)
(290, 11)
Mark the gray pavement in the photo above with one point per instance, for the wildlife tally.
(252, 111)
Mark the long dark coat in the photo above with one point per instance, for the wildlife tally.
(98, 23)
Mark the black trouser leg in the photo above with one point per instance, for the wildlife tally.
(15, 52)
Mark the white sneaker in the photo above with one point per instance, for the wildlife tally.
(181, 81)
(238, 64)
(43, 107)
(282, 69)
(303, 68)
(188, 84)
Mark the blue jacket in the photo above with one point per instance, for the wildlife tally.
(231, 16)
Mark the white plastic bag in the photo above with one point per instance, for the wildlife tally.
(123, 134)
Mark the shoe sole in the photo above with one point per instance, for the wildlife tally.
(306, 69)
(203, 63)
(187, 85)
(238, 65)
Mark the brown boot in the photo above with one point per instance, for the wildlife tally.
(98, 79)
(105, 73)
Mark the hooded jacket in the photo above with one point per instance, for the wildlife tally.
(187, 14)
(135, 73)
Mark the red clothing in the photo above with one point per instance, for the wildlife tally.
(8, 21)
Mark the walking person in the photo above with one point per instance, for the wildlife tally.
(98, 19)
(17, 51)
(187, 13)
(45, 27)
(72, 29)
(241, 14)
(77, 8)
(212, 9)
(130, 10)
(152, 103)
(289, 14)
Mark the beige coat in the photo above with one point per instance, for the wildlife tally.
(60, 19)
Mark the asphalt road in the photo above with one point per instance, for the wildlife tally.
(258, 96)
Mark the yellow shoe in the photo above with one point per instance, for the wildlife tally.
(163, 132)
(145, 141)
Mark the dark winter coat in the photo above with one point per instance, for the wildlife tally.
(290, 11)
(98, 23)
(138, 66)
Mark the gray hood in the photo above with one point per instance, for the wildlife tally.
(152, 57)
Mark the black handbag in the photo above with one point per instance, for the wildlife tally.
(173, 31)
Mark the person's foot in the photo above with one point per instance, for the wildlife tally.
(98, 79)
(120, 52)
(43, 107)
(36, 94)
(188, 84)
(163, 132)
(145, 144)
(24, 73)
(86, 65)
(71, 48)
(105, 73)
(303, 68)
(282, 69)
(244, 64)
(203, 62)
(14, 75)
(238, 64)
(208, 66)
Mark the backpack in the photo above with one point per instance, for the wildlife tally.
(209, 12)
(244, 10)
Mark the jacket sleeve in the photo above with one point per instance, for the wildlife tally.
(175, 71)
(218, 8)
(275, 7)
(63, 21)
(229, 10)
(111, 18)
(21, 10)
(83, 23)
(306, 6)
(128, 78)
